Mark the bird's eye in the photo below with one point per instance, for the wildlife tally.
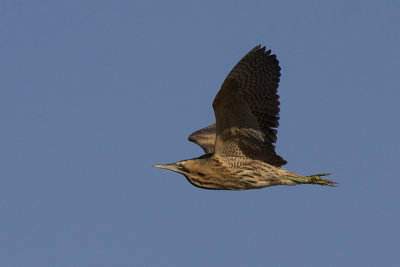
(182, 168)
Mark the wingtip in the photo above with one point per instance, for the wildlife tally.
(191, 138)
(262, 49)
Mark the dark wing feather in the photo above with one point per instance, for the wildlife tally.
(247, 109)
(205, 138)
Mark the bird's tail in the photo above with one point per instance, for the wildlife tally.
(313, 179)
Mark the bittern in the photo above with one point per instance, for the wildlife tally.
(240, 150)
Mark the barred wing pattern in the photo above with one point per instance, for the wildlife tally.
(247, 109)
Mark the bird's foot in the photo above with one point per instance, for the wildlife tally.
(317, 179)
(313, 179)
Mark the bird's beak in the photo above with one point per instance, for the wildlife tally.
(172, 167)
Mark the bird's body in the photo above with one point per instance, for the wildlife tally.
(232, 173)
(240, 146)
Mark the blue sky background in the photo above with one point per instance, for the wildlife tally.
(93, 93)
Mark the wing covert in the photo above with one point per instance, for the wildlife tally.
(205, 138)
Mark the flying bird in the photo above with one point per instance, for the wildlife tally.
(239, 147)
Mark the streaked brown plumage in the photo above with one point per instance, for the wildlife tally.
(240, 146)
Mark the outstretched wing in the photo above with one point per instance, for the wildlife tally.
(205, 138)
(247, 109)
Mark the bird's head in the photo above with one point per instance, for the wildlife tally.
(195, 171)
(178, 167)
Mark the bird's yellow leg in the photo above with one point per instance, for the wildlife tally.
(313, 179)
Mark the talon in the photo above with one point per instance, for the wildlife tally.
(322, 174)
(317, 179)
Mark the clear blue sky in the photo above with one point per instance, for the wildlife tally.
(93, 93)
